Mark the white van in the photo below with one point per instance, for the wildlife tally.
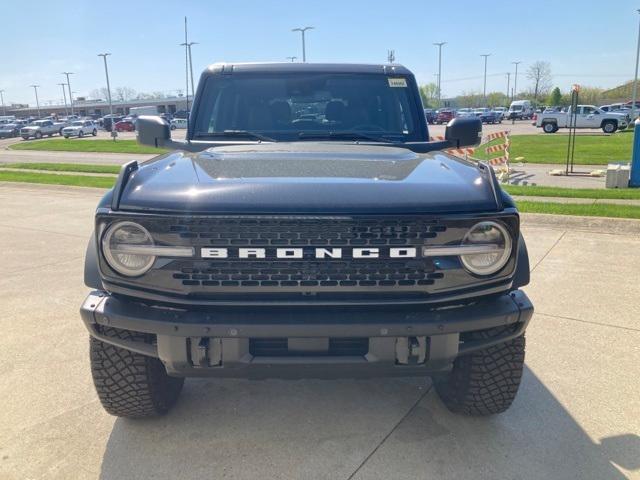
(520, 110)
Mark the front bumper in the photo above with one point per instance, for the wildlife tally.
(402, 341)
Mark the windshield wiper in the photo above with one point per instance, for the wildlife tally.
(237, 134)
(346, 136)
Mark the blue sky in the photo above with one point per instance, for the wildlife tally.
(591, 42)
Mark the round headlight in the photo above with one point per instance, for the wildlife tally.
(489, 236)
(124, 245)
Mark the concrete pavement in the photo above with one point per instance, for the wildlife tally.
(576, 415)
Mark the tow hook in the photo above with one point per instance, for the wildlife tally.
(411, 350)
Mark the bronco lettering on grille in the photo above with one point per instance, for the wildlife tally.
(320, 253)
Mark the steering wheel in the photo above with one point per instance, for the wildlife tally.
(368, 126)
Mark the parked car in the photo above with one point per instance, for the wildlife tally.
(108, 121)
(445, 115)
(489, 116)
(125, 125)
(39, 129)
(9, 130)
(587, 116)
(80, 128)
(430, 115)
(464, 112)
(502, 111)
(179, 123)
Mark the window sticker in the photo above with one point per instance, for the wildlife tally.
(397, 82)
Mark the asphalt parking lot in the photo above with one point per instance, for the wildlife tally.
(576, 415)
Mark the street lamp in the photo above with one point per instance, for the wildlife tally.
(35, 89)
(114, 133)
(4, 110)
(635, 80)
(302, 30)
(188, 47)
(484, 88)
(439, 45)
(293, 59)
(515, 80)
(64, 96)
(69, 87)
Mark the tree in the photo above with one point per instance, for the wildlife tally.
(99, 93)
(122, 94)
(429, 93)
(469, 99)
(540, 74)
(497, 99)
(555, 97)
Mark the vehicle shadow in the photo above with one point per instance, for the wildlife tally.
(325, 429)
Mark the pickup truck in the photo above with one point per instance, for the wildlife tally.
(40, 128)
(587, 116)
(306, 227)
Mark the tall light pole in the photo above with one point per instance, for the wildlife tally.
(304, 49)
(69, 87)
(484, 88)
(35, 89)
(508, 84)
(104, 56)
(635, 79)
(188, 47)
(293, 59)
(4, 109)
(515, 80)
(64, 96)
(439, 45)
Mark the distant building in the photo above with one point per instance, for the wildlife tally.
(99, 108)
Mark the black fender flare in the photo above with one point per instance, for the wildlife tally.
(522, 275)
(91, 271)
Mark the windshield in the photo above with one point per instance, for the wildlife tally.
(292, 106)
(77, 124)
(516, 108)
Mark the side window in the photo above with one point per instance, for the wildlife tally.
(588, 110)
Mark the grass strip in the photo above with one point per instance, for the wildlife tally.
(57, 179)
(587, 210)
(75, 145)
(64, 167)
(596, 193)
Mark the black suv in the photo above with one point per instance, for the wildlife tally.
(306, 227)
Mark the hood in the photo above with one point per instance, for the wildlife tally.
(31, 127)
(308, 177)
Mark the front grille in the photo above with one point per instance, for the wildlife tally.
(338, 347)
(237, 278)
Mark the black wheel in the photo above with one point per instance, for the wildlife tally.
(609, 126)
(484, 382)
(66, 136)
(129, 384)
(173, 127)
(80, 134)
(25, 138)
(95, 132)
(550, 128)
(38, 135)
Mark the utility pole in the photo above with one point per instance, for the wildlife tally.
(186, 62)
(391, 56)
(484, 88)
(439, 45)
(4, 109)
(515, 80)
(64, 96)
(114, 133)
(293, 59)
(635, 80)
(35, 89)
(69, 87)
(508, 84)
(188, 46)
(304, 49)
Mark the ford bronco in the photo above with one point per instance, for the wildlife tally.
(306, 227)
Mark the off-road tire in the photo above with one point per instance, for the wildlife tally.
(484, 382)
(129, 384)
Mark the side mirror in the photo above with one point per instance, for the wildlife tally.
(464, 132)
(154, 131)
